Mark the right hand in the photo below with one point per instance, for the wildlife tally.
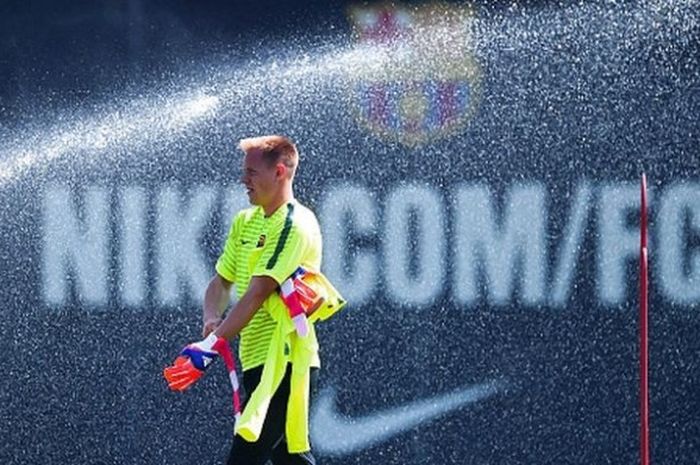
(210, 324)
(193, 360)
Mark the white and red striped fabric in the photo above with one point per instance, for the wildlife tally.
(224, 349)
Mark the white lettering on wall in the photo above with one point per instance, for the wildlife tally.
(494, 253)
(423, 284)
(76, 245)
(514, 248)
(354, 271)
(680, 201)
(618, 242)
(179, 231)
(570, 248)
(133, 248)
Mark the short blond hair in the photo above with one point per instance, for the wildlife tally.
(274, 149)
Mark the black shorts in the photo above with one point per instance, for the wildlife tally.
(272, 444)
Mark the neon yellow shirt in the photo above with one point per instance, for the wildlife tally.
(271, 246)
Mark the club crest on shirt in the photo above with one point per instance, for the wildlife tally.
(426, 81)
(261, 241)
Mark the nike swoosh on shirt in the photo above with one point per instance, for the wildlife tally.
(333, 434)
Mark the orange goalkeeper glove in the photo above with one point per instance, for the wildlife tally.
(193, 360)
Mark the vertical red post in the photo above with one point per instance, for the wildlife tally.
(643, 329)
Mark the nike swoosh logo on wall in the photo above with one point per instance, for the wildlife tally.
(333, 434)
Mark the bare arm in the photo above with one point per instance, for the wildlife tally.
(259, 289)
(216, 299)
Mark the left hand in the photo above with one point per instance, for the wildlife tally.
(193, 360)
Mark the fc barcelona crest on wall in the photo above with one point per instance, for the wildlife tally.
(429, 82)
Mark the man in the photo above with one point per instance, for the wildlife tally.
(265, 246)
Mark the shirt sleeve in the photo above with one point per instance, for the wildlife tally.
(226, 265)
(283, 253)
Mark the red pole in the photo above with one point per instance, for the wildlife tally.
(644, 329)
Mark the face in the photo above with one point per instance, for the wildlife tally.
(260, 180)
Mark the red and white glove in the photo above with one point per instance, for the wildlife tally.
(301, 300)
(194, 359)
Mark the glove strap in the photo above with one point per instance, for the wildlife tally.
(222, 347)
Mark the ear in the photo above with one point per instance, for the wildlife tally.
(280, 170)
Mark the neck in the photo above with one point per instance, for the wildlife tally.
(284, 196)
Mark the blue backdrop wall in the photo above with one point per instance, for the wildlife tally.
(475, 171)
